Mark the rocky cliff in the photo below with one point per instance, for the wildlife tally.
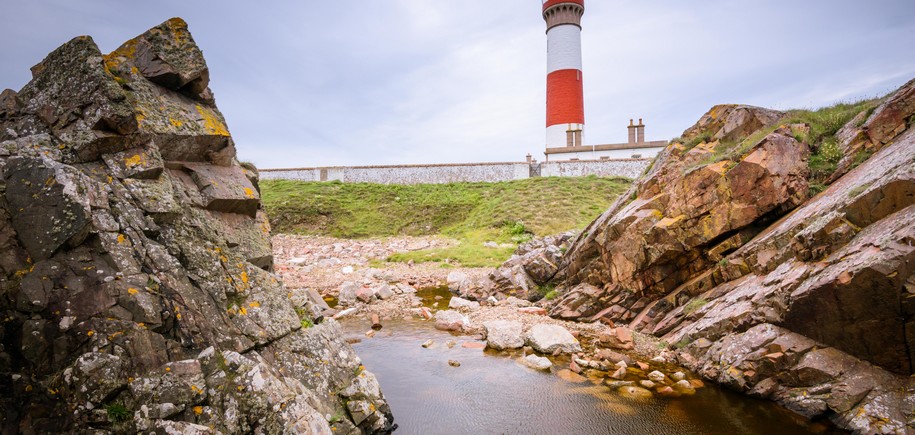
(774, 251)
(136, 291)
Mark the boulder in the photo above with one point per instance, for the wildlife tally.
(550, 338)
(617, 338)
(347, 294)
(450, 320)
(455, 279)
(457, 303)
(503, 334)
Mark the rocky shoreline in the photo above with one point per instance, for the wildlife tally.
(632, 364)
(770, 252)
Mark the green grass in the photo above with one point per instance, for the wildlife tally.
(117, 413)
(470, 252)
(824, 124)
(473, 213)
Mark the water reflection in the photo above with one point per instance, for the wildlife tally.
(491, 394)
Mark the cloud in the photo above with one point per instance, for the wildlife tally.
(417, 81)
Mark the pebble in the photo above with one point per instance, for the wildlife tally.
(647, 384)
(370, 333)
(678, 376)
(428, 343)
(620, 373)
(454, 363)
(657, 376)
(537, 362)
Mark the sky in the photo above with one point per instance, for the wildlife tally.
(368, 82)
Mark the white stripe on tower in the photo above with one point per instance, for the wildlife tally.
(563, 48)
(565, 113)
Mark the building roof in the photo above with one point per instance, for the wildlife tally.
(608, 147)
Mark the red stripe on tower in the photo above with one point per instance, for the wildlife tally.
(565, 111)
(565, 102)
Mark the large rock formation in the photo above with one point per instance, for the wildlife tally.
(719, 250)
(136, 291)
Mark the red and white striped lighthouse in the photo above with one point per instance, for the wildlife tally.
(565, 106)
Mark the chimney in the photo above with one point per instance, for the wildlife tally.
(529, 157)
(631, 132)
(640, 132)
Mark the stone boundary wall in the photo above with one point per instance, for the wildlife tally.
(461, 172)
(629, 168)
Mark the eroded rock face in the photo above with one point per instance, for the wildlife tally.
(872, 131)
(532, 265)
(805, 301)
(682, 219)
(135, 262)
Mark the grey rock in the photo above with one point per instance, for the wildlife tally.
(455, 279)
(457, 303)
(384, 292)
(536, 362)
(503, 334)
(347, 294)
(550, 338)
(657, 377)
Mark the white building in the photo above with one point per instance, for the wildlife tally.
(636, 148)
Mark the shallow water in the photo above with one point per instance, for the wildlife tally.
(491, 394)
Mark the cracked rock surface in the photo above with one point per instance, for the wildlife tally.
(136, 284)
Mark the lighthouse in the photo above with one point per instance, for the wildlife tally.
(565, 106)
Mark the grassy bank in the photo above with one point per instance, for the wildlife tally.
(474, 213)
(823, 123)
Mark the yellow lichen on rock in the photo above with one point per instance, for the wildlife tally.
(211, 122)
(135, 160)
